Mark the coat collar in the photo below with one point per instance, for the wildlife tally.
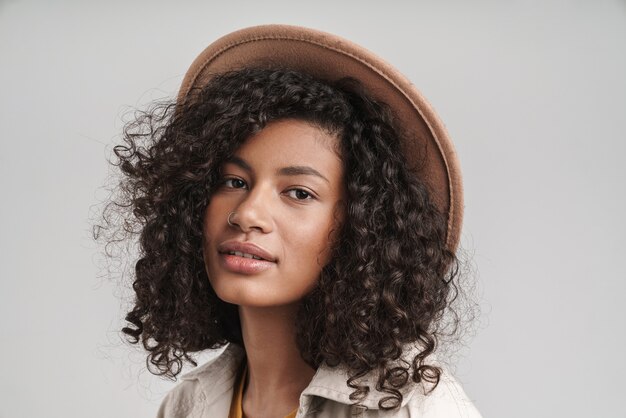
(217, 378)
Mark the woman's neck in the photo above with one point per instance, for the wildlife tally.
(277, 374)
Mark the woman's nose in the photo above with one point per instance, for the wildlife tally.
(253, 211)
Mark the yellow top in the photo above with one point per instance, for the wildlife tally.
(235, 404)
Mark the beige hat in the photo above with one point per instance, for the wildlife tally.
(329, 57)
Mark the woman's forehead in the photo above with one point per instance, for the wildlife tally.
(289, 143)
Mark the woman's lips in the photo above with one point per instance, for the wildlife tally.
(244, 265)
(247, 247)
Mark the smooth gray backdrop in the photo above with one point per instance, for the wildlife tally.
(533, 94)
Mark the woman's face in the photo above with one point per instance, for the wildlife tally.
(284, 185)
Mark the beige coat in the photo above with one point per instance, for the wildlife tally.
(206, 392)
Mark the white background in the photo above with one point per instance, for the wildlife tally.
(533, 94)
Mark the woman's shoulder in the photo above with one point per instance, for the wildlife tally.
(331, 396)
(448, 399)
(181, 401)
(207, 386)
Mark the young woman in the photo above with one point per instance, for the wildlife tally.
(299, 205)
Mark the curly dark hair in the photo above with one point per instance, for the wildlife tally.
(390, 278)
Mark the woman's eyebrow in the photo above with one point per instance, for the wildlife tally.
(292, 170)
(239, 162)
(298, 170)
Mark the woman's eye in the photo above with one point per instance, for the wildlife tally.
(234, 183)
(300, 194)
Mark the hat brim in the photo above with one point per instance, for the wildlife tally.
(429, 150)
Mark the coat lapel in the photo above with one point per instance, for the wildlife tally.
(217, 379)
